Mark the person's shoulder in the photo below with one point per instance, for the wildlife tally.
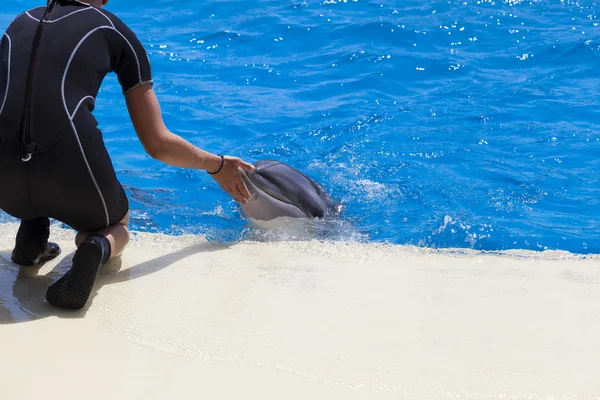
(24, 16)
(107, 14)
(116, 21)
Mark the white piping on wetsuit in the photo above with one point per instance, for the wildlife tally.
(78, 105)
(8, 78)
(112, 25)
(105, 16)
(71, 116)
(58, 19)
(137, 60)
(73, 125)
(89, 7)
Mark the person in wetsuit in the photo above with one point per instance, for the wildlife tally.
(53, 162)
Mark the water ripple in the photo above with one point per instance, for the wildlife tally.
(462, 123)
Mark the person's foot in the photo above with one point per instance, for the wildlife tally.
(74, 288)
(50, 253)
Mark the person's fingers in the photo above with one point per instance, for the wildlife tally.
(231, 189)
(246, 166)
(243, 190)
(238, 196)
(233, 184)
(227, 190)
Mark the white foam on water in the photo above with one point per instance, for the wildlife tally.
(302, 229)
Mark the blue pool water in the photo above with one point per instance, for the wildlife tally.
(443, 124)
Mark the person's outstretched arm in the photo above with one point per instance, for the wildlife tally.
(165, 146)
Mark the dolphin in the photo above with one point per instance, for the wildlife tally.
(280, 191)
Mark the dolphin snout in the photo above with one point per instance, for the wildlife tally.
(247, 178)
(246, 174)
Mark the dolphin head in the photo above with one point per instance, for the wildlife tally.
(278, 190)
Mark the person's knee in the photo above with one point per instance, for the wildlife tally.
(127, 234)
(125, 223)
(125, 220)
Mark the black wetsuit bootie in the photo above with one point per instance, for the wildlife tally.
(50, 253)
(74, 288)
(31, 245)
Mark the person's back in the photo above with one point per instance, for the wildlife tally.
(53, 162)
(80, 44)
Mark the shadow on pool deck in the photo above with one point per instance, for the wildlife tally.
(23, 290)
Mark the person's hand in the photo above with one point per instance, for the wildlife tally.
(230, 178)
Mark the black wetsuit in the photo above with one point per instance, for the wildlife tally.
(70, 176)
